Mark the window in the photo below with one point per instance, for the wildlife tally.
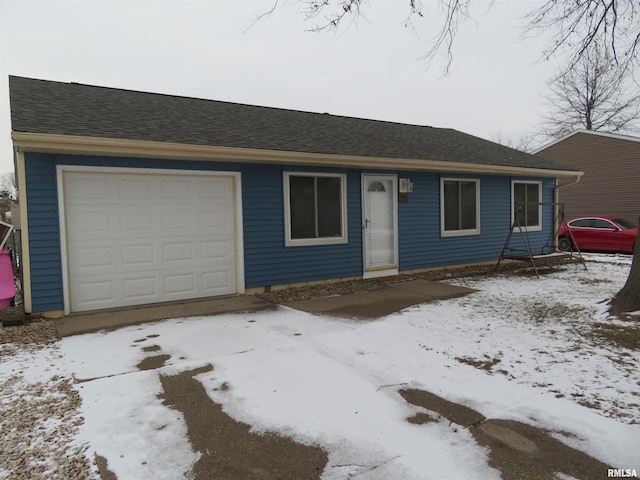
(526, 206)
(459, 206)
(376, 187)
(624, 223)
(315, 208)
(601, 223)
(581, 223)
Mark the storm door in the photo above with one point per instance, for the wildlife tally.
(379, 225)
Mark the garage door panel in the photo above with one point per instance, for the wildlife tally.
(90, 223)
(153, 238)
(214, 281)
(95, 293)
(176, 220)
(91, 257)
(89, 189)
(138, 255)
(140, 288)
(134, 188)
(104, 259)
(219, 191)
(136, 220)
(181, 284)
(178, 252)
(217, 250)
(219, 221)
(176, 189)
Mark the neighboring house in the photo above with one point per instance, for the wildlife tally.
(7, 202)
(611, 166)
(130, 198)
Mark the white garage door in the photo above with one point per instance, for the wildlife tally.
(138, 238)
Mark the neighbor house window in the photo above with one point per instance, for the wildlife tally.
(315, 208)
(526, 207)
(459, 206)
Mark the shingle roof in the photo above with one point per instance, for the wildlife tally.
(41, 106)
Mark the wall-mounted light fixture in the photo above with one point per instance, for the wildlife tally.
(405, 185)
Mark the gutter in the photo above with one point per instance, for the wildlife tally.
(53, 143)
(556, 192)
(558, 207)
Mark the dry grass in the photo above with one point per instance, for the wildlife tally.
(625, 336)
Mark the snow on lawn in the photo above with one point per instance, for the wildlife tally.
(39, 419)
(523, 348)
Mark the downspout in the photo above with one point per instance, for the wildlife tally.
(556, 201)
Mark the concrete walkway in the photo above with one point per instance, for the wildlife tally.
(109, 319)
(392, 297)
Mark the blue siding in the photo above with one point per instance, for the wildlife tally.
(421, 243)
(44, 233)
(425, 247)
(267, 260)
(540, 241)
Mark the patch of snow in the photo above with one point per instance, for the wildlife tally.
(127, 423)
(518, 349)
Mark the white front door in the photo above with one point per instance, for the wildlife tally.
(379, 224)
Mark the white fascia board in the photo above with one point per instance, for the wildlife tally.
(48, 143)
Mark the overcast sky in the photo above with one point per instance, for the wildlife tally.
(210, 49)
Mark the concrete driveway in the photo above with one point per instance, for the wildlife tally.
(393, 296)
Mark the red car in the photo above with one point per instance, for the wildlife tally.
(604, 234)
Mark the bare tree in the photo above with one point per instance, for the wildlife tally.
(628, 298)
(8, 187)
(596, 94)
(8, 193)
(579, 25)
(525, 143)
(576, 25)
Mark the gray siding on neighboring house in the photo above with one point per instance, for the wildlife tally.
(611, 166)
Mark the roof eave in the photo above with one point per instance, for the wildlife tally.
(615, 136)
(67, 144)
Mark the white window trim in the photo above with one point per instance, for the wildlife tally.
(536, 228)
(290, 242)
(459, 233)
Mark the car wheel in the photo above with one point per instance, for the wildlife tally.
(564, 244)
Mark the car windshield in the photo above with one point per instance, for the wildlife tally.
(624, 223)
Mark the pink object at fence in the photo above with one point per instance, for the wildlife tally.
(7, 286)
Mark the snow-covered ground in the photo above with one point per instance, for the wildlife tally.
(522, 348)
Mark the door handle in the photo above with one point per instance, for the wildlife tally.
(366, 223)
